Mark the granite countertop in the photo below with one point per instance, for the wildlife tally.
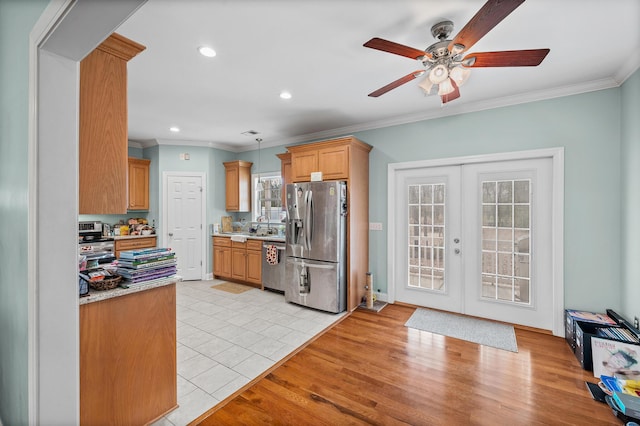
(277, 238)
(98, 295)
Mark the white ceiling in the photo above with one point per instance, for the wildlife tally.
(314, 50)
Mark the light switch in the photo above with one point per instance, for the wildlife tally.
(375, 226)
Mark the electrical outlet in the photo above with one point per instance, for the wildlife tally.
(375, 226)
(636, 323)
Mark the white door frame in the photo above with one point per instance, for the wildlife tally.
(557, 238)
(57, 42)
(203, 207)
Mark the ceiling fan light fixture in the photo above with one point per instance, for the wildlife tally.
(438, 74)
(460, 75)
(445, 87)
(426, 85)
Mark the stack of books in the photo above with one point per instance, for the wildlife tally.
(137, 266)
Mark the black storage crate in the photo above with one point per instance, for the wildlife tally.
(579, 333)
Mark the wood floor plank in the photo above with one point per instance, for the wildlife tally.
(371, 369)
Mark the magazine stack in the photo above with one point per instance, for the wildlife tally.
(137, 266)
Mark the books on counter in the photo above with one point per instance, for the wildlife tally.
(138, 266)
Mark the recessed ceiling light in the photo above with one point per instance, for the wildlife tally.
(285, 95)
(174, 129)
(207, 51)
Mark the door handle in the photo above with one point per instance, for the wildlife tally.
(457, 251)
(171, 234)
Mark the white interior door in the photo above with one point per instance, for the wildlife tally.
(184, 222)
(476, 239)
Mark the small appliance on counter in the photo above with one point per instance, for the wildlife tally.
(96, 248)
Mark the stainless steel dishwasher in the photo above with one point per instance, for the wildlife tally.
(273, 269)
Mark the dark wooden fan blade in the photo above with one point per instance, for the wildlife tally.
(453, 95)
(506, 58)
(490, 15)
(396, 48)
(399, 82)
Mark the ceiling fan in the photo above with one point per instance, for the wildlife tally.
(445, 66)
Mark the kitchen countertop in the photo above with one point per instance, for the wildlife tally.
(277, 238)
(98, 295)
(129, 237)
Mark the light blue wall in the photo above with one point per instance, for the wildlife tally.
(16, 20)
(631, 196)
(166, 158)
(587, 126)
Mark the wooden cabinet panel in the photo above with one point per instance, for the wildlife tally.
(239, 264)
(133, 243)
(238, 186)
(285, 174)
(254, 267)
(138, 184)
(128, 367)
(302, 164)
(254, 261)
(333, 162)
(103, 127)
(222, 262)
(222, 257)
(238, 261)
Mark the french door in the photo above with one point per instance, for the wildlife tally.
(477, 239)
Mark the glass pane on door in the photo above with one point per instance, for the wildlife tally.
(506, 230)
(426, 227)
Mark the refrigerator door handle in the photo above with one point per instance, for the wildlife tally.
(310, 265)
(308, 220)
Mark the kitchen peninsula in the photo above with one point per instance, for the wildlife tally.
(128, 372)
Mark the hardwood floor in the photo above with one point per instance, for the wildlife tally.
(370, 369)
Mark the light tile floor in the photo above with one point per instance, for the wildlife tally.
(226, 340)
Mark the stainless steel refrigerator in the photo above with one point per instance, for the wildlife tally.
(315, 270)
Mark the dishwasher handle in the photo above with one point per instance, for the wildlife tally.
(277, 246)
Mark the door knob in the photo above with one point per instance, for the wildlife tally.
(457, 251)
(171, 234)
(456, 240)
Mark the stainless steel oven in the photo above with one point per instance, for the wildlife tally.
(93, 245)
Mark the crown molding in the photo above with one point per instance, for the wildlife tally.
(624, 72)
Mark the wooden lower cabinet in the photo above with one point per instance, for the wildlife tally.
(254, 262)
(133, 243)
(222, 257)
(238, 261)
(128, 367)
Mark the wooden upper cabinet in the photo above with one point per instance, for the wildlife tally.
(303, 163)
(333, 162)
(238, 186)
(103, 127)
(331, 157)
(285, 173)
(139, 184)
